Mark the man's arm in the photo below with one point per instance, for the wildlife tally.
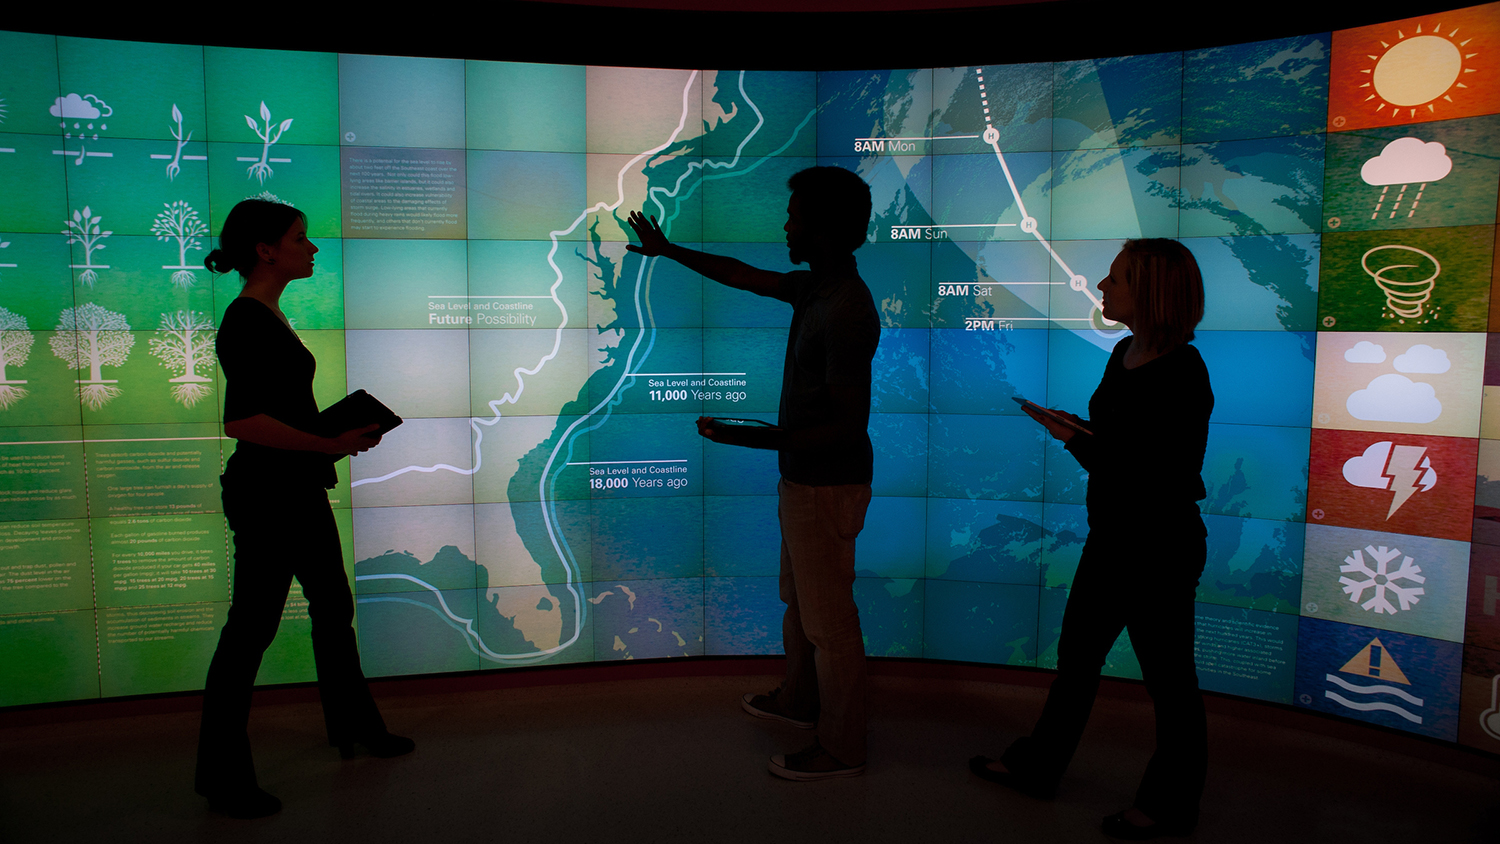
(726, 271)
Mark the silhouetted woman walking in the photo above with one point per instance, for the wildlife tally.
(276, 501)
(1147, 432)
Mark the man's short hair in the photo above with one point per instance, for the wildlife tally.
(836, 202)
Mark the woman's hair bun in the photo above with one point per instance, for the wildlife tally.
(251, 222)
(218, 262)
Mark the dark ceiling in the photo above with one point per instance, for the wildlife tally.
(698, 33)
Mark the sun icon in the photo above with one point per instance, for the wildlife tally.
(2, 109)
(1418, 71)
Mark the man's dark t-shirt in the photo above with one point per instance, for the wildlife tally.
(268, 370)
(835, 330)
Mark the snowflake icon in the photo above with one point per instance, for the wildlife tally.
(1381, 579)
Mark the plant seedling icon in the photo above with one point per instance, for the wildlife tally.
(175, 165)
(269, 135)
(84, 230)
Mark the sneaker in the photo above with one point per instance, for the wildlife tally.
(814, 763)
(768, 706)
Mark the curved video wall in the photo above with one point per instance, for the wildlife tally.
(548, 499)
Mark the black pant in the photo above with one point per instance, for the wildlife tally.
(1142, 581)
(280, 533)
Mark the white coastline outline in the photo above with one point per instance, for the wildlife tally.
(644, 273)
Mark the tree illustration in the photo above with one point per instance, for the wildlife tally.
(269, 134)
(93, 337)
(15, 348)
(185, 345)
(180, 222)
(84, 229)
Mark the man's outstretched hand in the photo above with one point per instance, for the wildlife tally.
(707, 427)
(741, 435)
(653, 242)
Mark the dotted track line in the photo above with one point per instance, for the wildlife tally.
(1028, 223)
(984, 98)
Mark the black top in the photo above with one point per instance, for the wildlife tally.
(1150, 430)
(834, 332)
(268, 370)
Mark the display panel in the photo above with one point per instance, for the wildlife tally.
(549, 501)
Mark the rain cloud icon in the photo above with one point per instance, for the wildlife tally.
(1407, 161)
(74, 107)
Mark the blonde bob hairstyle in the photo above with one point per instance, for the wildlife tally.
(1168, 290)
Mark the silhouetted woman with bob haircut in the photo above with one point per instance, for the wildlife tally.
(1147, 431)
(276, 501)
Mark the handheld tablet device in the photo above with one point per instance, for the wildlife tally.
(730, 421)
(1059, 419)
(356, 410)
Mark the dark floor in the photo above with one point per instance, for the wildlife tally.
(670, 759)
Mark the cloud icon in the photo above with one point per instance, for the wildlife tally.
(1367, 470)
(1395, 398)
(74, 106)
(1407, 160)
(1365, 352)
(1424, 359)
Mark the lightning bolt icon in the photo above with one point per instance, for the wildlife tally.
(1404, 473)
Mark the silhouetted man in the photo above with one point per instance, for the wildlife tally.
(825, 456)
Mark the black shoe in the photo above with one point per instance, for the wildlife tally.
(980, 767)
(245, 805)
(768, 706)
(383, 746)
(813, 763)
(1116, 826)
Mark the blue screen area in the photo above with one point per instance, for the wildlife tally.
(548, 499)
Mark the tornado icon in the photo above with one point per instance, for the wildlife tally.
(1405, 295)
